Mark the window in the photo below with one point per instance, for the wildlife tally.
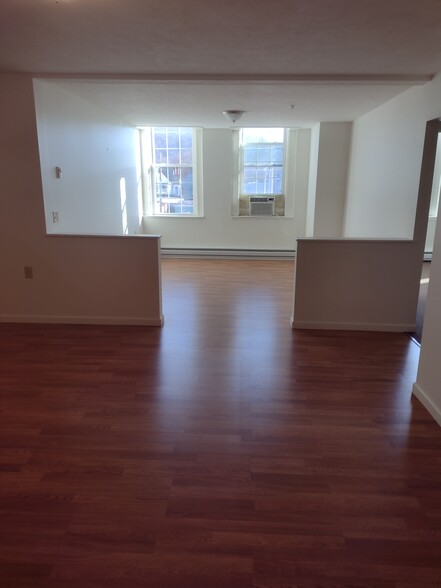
(170, 157)
(261, 169)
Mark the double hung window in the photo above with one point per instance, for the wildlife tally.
(261, 168)
(170, 157)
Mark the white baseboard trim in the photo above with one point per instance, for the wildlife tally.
(336, 326)
(227, 253)
(428, 404)
(83, 320)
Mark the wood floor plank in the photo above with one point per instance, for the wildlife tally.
(223, 450)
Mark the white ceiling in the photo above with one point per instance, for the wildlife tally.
(202, 104)
(332, 60)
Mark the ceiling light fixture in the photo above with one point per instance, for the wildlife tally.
(233, 115)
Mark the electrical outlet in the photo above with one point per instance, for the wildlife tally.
(28, 272)
(55, 217)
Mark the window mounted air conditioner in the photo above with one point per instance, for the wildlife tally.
(262, 206)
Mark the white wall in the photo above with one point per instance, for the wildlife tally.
(355, 284)
(87, 279)
(218, 229)
(312, 185)
(300, 179)
(383, 189)
(387, 146)
(332, 177)
(94, 152)
(76, 279)
(428, 385)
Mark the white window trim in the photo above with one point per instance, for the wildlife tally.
(242, 168)
(289, 171)
(148, 175)
(236, 174)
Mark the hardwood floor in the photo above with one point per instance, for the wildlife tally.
(222, 451)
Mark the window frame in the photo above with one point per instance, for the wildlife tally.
(238, 173)
(149, 167)
(243, 165)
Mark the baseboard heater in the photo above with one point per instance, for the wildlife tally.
(227, 253)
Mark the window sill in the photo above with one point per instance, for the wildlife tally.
(263, 217)
(150, 216)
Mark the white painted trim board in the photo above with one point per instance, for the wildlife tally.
(82, 320)
(337, 326)
(426, 401)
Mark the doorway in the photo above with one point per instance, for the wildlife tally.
(427, 213)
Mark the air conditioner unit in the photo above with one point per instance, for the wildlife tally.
(262, 206)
